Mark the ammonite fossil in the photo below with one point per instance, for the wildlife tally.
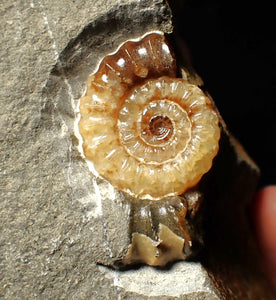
(150, 133)
(146, 131)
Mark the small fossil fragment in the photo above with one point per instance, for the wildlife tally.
(160, 232)
(153, 136)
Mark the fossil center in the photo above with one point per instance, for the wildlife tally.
(161, 126)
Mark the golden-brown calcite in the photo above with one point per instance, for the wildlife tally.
(143, 249)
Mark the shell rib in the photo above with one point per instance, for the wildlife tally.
(146, 131)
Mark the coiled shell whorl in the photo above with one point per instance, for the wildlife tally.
(147, 132)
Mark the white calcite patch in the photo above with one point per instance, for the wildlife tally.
(187, 277)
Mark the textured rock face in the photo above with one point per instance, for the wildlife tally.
(53, 213)
(57, 220)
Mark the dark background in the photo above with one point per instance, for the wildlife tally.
(232, 44)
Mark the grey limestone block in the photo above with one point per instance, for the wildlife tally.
(60, 225)
(58, 221)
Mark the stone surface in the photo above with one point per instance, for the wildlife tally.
(59, 223)
(54, 215)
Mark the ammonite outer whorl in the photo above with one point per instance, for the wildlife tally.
(147, 132)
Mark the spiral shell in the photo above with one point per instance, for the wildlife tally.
(146, 131)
